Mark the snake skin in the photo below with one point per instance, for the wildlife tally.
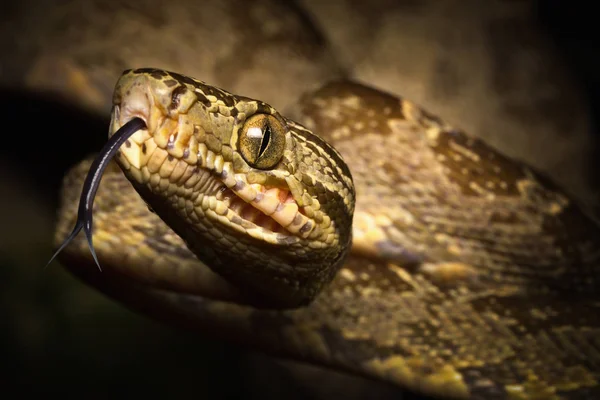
(292, 225)
(466, 266)
(482, 65)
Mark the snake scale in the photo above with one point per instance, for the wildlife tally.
(466, 268)
(470, 275)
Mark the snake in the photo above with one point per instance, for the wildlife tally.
(371, 237)
(469, 275)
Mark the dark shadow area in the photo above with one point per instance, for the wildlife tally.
(60, 337)
(573, 28)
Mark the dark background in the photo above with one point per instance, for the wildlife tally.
(59, 336)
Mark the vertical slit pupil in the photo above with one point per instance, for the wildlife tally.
(265, 139)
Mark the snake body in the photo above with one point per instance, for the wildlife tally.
(470, 275)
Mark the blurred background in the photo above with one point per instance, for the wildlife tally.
(521, 74)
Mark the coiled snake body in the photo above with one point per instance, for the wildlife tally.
(469, 276)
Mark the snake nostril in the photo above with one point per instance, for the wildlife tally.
(133, 98)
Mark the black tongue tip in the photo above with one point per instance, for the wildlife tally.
(92, 182)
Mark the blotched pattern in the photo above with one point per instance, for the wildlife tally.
(471, 276)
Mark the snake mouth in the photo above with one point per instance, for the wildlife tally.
(245, 211)
(200, 180)
(283, 220)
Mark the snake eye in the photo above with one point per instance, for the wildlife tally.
(262, 140)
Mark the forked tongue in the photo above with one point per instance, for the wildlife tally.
(92, 181)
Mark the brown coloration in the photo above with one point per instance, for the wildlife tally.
(457, 57)
(452, 198)
(502, 303)
(269, 155)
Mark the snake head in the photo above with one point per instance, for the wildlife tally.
(258, 198)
